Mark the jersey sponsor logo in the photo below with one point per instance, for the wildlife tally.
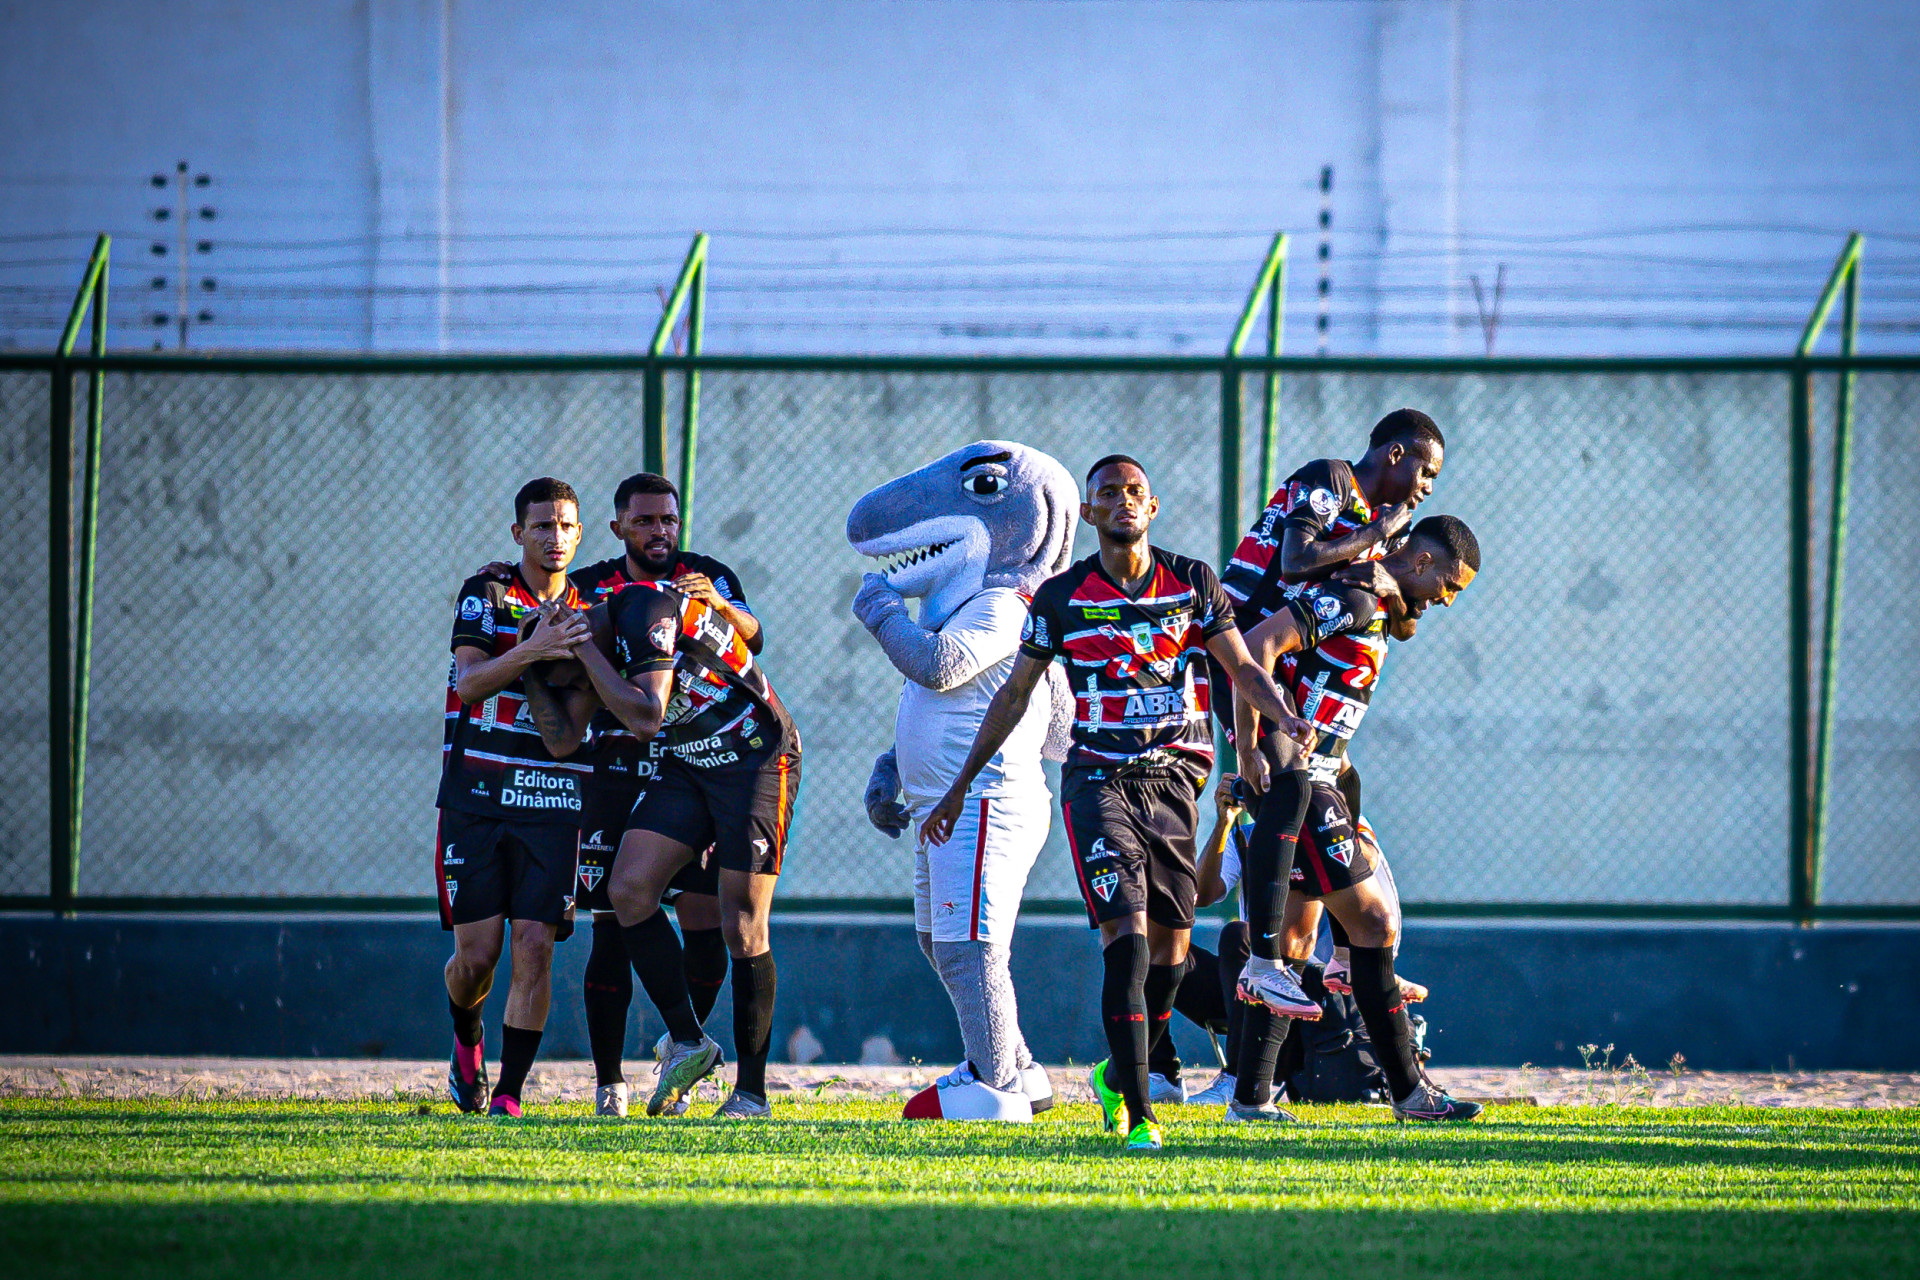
(1099, 615)
(590, 876)
(1327, 608)
(1155, 704)
(1035, 631)
(471, 607)
(1324, 503)
(661, 637)
(533, 789)
(760, 850)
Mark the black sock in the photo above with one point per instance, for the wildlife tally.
(1270, 849)
(1261, 1040)
(654, 950)
(466, 1022)
(1198, 997)
(517, 1047)
(706, 966)
(754, 981)
(1233, 958)
(1377, 993)
(1163, 983)
(1293, 1049)
(607, 992)
(1123, 1008)
(1163, 1059)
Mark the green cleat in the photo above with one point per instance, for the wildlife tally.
(1144, 1136)
(1113, 1107)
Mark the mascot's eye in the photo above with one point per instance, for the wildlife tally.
(984, 485)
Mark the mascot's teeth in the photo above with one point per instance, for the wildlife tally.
(901, 559)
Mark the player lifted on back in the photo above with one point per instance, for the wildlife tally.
(1335, 634)
(647, 521)
(1134, 625)
(666, 661)
(509, 811)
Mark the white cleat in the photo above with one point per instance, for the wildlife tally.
(1277, 989)
(1161, 1089)
(1038, 1086)
(743, 1106)
(1265, 1113)
(1338, 978)
(686, 1065)
(1217, 1094)
(610, 1099)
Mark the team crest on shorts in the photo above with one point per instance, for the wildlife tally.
(1105, 883)
(590, 877)
(1341, 851)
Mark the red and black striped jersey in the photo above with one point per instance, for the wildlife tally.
(493, 762)
(1333, 676)
(1321, 499)
(723, 709)
(613, 742)
(1137, 664)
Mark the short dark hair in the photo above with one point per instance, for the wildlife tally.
(643, 482)
(1109, 460)
(1451, 535)
(545, 489)
(1405, 424)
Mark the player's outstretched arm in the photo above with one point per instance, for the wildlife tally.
(480, 676)
(1003, 713)
(1305, 553)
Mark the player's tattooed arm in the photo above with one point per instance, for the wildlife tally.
(1306, 553)
(701, 588)
(1003, 713)
(480, 676)
(561, 713)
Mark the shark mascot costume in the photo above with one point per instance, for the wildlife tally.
(971, 534)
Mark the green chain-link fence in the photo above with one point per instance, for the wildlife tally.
(1601, 723)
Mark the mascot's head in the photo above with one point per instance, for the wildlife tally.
(993, 514)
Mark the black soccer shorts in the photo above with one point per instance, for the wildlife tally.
(499, 867)
(743, 810)
(616, 786)
(1132, 843)
(1332, 854)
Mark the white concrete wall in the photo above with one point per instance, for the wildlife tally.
(966, 174)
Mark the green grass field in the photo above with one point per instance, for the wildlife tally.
(259, 1190)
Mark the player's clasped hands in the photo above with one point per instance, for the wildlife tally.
(558, 633)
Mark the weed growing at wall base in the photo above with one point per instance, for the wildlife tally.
(843, 1189)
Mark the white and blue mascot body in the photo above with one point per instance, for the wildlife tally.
(971, 535)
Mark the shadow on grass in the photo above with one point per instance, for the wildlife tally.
(295, 1240)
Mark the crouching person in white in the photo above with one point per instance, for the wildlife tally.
(970, 534)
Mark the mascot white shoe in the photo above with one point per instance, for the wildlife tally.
(971, 535)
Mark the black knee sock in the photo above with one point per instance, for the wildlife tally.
(655, 952)
(706, 965)
(517, 1047)
(466, 1022)
(754, 981)
(1163, 981)
(1270, 848)
(1377, 993)
(1293, 1049)
(1198, 998)
(1123, 1008)
(1264, 1033)
(607, 992)
(1233, 958)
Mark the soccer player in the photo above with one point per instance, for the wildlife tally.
(509, 811)
(647, 521)
(1134, 625)
(1336, 636)
(669, 662)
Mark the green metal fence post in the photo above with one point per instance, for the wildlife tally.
(1268, 286)
(692, 282)
(690, 415)
(89, 541)
(66, 715)
(1813, 734)
(653, 419)
(1836, 571)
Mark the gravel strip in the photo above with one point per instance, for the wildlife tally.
(325, 1079)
